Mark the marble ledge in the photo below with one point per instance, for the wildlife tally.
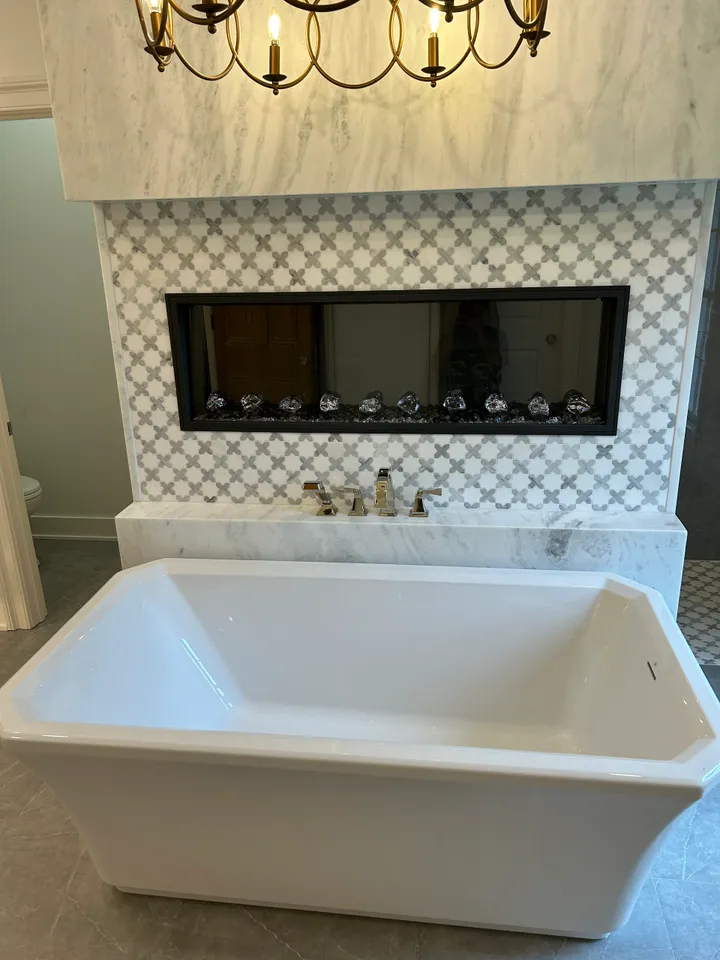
(645, 546)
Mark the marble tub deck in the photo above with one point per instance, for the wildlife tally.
(53, 906)
(645, 546)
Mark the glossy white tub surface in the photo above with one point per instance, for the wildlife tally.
(482, 747)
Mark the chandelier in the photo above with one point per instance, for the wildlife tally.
(162, 45)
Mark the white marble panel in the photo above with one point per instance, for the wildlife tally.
(647, 547)
(622, 91)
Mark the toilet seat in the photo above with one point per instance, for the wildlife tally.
(31, 488)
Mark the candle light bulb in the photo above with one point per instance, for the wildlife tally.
(434, 18)
(155, 6)
(274, 26)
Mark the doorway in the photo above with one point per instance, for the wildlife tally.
(56, 362)
(55, 352)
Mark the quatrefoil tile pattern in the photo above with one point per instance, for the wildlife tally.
(642, 235)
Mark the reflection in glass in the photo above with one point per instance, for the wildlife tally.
(396, 361)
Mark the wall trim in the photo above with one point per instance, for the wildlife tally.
(116, 336)
(23, 602)
(24, 98)
(48, 527)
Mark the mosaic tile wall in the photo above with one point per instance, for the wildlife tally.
(643, 235)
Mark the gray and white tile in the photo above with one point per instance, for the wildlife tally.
(643, 235)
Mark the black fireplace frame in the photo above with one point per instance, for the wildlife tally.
(617, 295)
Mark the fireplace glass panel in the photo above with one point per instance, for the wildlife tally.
(469, 344)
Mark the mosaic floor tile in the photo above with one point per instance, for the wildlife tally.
(699, 610)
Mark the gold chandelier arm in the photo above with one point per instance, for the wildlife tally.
(314, 6)
(526, 24)
(500, 63)
(341, 83)
(232, 9)
(449, 6)
(160, 39)
(259, 80)
(472, 36)
(231, 62)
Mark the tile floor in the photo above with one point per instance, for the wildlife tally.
(699, 611)
(54, 907)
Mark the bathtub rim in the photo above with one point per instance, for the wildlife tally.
(698, 769)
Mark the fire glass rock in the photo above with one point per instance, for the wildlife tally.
(496, 403)
(251, 402)
(454, 401)
(538, 406)
(330, 402)
(372, 403)
(290, 404)
(576, 403)
(217, 402)
(409, 403)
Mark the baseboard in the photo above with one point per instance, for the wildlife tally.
(73, 528)
(24, 98)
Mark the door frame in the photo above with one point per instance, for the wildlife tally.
(22, 604)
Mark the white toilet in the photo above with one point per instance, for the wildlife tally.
(32, 491)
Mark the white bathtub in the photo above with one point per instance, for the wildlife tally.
(479, 747)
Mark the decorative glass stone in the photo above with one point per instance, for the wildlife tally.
(538, 406)
(496, 403)
(291, 404)
(330, 402)
(372, 403)
(576, 403)
(217, 402)
(454, 401)
(409, 403)
(251, 402)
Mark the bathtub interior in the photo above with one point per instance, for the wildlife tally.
(526, 663)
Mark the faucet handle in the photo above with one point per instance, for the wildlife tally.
(327, 507)
(358, 508)
(418, 507)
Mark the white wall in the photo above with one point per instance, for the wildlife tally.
(23, 84)
(55, 355)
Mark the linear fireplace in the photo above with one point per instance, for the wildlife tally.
(544, 360)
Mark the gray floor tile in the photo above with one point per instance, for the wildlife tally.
(33, 887)
(228, 932)
(43, 821)
(692, 850)
(18, 788)
(463, 943)
(644, 935)
(692, 915)
(96, 921)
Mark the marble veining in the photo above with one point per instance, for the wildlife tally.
(622, 91)
(647, 547)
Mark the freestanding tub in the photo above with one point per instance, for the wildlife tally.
(494, 748)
